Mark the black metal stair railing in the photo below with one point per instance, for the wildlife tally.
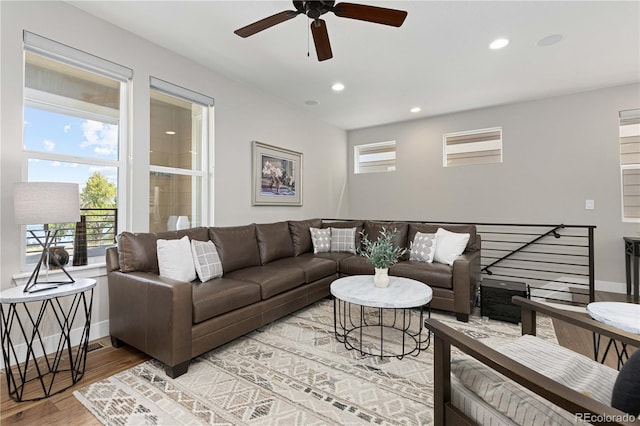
(555, 261)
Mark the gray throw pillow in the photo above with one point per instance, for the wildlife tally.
(321, 239)
(343, 240)
(206, 260)
(423, 247)
(626, 391)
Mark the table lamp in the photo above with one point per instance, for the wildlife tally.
(37, 203)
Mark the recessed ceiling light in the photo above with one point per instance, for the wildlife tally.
(498, 43)
(415, 109)
(338, 87)
(550, 40)
(170, 132)
(311, 102)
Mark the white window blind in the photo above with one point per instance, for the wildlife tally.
(630, 164)
(472, 147)
(375, 157)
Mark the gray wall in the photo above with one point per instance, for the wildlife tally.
(241, 115)
(558, 152)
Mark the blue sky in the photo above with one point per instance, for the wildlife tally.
(49, 132)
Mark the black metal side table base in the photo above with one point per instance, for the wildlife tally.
(363, 329)
(28, 379)
(619, 347)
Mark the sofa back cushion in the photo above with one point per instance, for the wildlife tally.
(237, 246)
(432, 228)
(274, 241)
(373, 230)
(138, 252)
(301, 236)
(358, 224)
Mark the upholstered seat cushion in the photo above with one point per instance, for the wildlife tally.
(433, 274)
(222, 295)
(560, 364)
(314, 267)
(272, 279)
(356, 265)
(336, 257)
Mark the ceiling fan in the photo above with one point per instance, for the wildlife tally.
(315, 9)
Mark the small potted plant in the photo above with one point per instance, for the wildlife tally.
(381, 253)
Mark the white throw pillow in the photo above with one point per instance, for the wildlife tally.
(206, 260)
(449, 245)
(321, 239)
(423, 247)
(343, 240)
(175, 259)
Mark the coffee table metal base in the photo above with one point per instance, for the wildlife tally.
(365, 329)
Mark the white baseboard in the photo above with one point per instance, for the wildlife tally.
(97, 331)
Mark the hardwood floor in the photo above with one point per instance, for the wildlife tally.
(63, 409)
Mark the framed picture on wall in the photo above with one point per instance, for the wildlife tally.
(276, 175)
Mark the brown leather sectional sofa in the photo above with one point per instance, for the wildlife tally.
(270, 271)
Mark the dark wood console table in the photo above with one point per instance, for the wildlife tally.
(632, 256)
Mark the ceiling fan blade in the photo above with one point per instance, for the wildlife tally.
(379, 15)
(265, 23)
(321, 40)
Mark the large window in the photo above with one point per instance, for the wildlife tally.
(630, 164)
(180, 121)
(73, 122)
(472, 147)
(375, 157)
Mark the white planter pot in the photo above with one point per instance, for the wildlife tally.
(381, 278)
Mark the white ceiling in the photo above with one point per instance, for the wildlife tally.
(438, 60)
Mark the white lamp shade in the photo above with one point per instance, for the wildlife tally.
(46, 202)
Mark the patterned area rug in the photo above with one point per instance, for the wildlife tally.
(290, 372)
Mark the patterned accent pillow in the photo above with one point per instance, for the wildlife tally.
(206, 260)
(343, 240)
(423, 247)
(321, 239)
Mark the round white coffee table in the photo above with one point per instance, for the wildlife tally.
(625, 316)
(384, 322)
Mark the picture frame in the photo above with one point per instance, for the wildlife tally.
(276, 176)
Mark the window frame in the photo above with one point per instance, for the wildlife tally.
(630, 117)
(43, 100)
(357, 164)
(206, 123)
(471, 134)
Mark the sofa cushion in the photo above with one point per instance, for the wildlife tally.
(300, 235)
(137, 252)
(432, 274)
(432, 228)
(206, 260)
(343, 240)
(199, 233)
(237, 246)
(373, 230)
(274, 241)
(272, 279)
(175, 259)
(358, 224)
(626, 389)
(356, 265)
(449, 245)
(423, 247)
(321, 239)
(222, 295)
(314, 267)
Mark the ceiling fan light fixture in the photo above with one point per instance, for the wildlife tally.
(498, 43)
(337, 87)
(415, 110)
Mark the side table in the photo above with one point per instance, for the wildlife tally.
(25, 316)
(625, 316)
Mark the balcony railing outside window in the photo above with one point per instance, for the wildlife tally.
(102, 228)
